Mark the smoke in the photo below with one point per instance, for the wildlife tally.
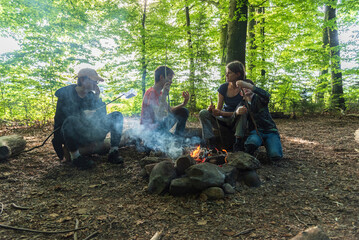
(160, 141)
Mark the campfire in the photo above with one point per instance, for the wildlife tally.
(215, 156)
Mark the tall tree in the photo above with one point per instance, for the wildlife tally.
(143, 50)
(237, 30)
(191, 60)
(337, 98)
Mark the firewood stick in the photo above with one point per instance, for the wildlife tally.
(39, 231)
(157, 236)
(91, 235)
(76, 227)
(19, 207)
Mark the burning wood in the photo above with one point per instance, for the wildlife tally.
(215, 156)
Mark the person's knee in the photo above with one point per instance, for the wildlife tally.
(116, 116)
(274, 155)
(204, 114)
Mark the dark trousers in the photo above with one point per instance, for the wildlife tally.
(179, 116)
(78, 131)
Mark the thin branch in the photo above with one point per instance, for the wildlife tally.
(76, 227)
(300, 220)
(19, 207)
(244, 232)
(39, 231)
(2, 208)
(91, 235)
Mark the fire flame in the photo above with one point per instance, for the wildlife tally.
(201, 155)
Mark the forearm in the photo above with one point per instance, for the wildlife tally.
(225, 114)
(177, 107)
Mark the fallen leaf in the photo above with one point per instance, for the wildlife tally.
(138, 222)
(65, 219)
(102, 217)
(53, 215)
(202, 222)
(228, 233)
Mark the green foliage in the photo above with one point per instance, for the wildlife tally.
(56, 36)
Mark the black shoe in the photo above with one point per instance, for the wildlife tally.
(83, 163)
(238, 145)
(115, 158)
(250, 148)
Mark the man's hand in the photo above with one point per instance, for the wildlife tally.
(216, 112)
(241, 110)
(166, 88)
(185, 95)
(211, 107)
(89, 113)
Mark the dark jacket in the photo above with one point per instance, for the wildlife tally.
(70, 104)
(260, 112)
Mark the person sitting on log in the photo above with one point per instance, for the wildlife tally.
(156, 114)
(227, 113)
(81, 120)
(262, 128)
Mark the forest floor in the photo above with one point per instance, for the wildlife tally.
(316, 184)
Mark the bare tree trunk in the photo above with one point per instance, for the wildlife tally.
(237, 30)
(191, 61)
(263, 71)
(337, 98)
(143, 60)
(322, 85)
(251, 36)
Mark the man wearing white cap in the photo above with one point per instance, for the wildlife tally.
(81, 120)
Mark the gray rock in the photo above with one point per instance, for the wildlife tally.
(214, 193)
(161, 177)
(231, 174)
(149, 160)
(182, 163)
(251, 178)
(227, 188)
(205, 175)
(180, 186)
(243, 161)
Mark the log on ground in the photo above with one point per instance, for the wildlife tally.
(11, 145)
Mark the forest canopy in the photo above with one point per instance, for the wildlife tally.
(305, 53)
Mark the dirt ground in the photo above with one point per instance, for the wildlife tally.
(316, 184)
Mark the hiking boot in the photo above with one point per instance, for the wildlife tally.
(115, 158)
(250, 149)
(238, 146)
(83, 163)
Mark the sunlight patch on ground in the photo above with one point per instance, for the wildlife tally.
(356, 134)
(301, 141)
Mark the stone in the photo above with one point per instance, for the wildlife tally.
(148, 168)
(228, 189)
(181, 186)
(243, 161)
(231, 174)
(214, 193)
(205, 175)
(149, 160)
(250, 178)
(182, 163)
(313, 233)
(161, 176)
